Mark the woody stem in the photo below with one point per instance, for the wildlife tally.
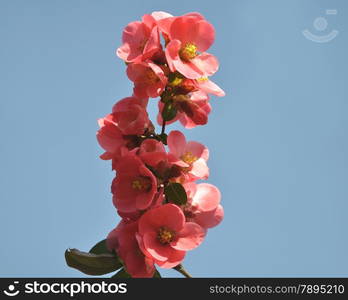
(163, 127)
(180, 268)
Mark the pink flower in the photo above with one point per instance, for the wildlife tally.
(131, 116)
(202, 84)
(113, 141)
(140, 40)
(110, 137)
(123, 241)
(152, 152)
(190, 36)
(192, 109)
(135, 215)
(149, 79)
(165, 236)
(165, 21)
(153, 231)
(134, 188)
(118, 131)
(192, 155)
(203, 205)
(165, 165)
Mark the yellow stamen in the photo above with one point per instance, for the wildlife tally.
(141, 183)
(165, 235)
(188, 52)
(188, 157)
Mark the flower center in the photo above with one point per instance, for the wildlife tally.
(188, 52)
(141, 183)
(132, 141)
(188, 157)
(151, 77)
(189, 212)
(165, 235)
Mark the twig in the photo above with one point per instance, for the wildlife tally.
(163, 127)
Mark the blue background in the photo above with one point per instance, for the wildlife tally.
(278, 140)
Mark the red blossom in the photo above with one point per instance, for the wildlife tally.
(154, 228)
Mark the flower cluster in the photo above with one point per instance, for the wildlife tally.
(164, 211)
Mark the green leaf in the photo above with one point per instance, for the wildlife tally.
(92, 264)
(123, 274)
(175, 193)
(169, 111)
(100, 248)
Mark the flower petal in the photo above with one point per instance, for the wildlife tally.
(157, 250)
(168, 215)
(159, 15)
(138, 266)
(210, 87)
(192, 28)
(172, 53)
(176, 143)
(210, 219)
(204, 35)
(176, 258)
(193, 69)
(190, 237)
(207, 197)
(153, 44)
(206, 63)
(200, 169)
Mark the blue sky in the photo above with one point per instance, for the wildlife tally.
(278, 140)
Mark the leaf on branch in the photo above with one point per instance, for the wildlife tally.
(157, 274)
(121, 274)
(175, 193)
(101, 248)
(169, 111)
(92, 264)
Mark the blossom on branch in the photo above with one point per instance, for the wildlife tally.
(164, 211)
